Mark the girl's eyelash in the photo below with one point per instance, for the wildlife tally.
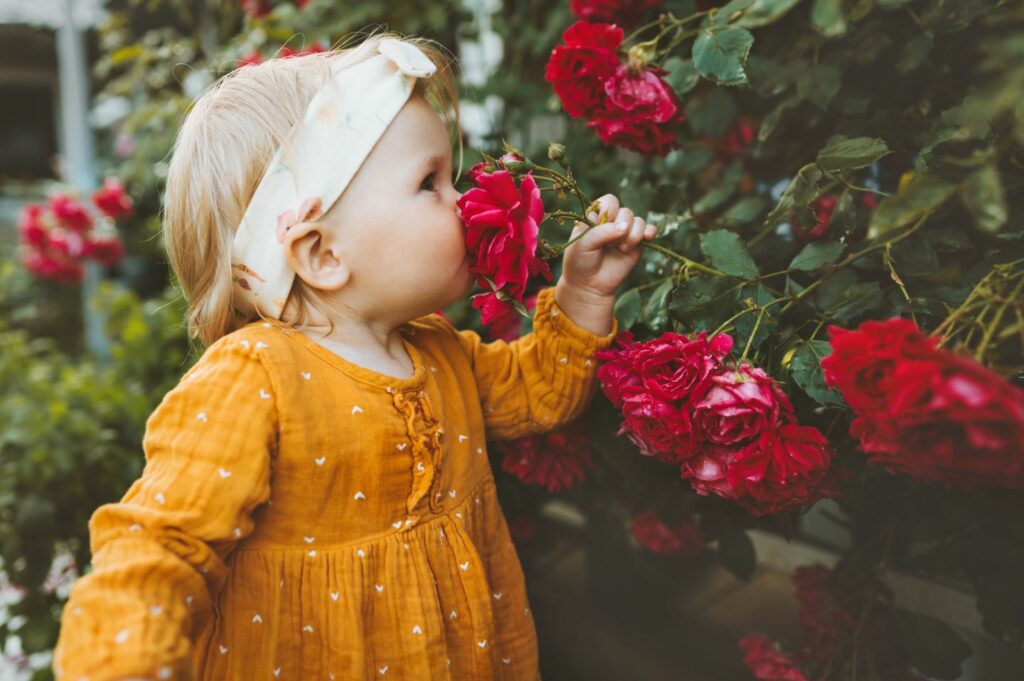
(429, 177)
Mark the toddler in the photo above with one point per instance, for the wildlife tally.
(317, 501)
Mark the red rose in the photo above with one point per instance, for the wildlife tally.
(708, 471)
(53, 266)
(640, 111)
(736, 140)
(768, 663)
(502, 223)
(684, 537)
(658, 428)
(476, 170)
(948, 420)
(32, 227)
(556, 461)
(784, 467)
(577, 70)
(70, 213)
(251, 59)
(615, 371)
(287, 52)
(862, 361)
(674, 367)
(740, 404)
(107, 252)
(827, 627)
(112, 200)
(655, 385)
(493, 310)
(620, 11)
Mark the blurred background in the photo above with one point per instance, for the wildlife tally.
(91, 323)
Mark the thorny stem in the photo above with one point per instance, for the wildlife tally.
(753, 333)
(854, 256)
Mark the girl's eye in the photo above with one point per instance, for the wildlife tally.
(429, 180)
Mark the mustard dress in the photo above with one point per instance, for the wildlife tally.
(303, 517)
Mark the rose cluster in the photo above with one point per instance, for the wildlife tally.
(681, 538)
(57, 236)
(924, 411)
(502, 221)
(838, 629)
(628, 104)
(731, 430)
(555, 461)
(620, 11)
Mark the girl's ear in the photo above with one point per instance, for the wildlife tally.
(315, 257)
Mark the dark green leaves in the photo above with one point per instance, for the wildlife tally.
(720, 52)
(984, 197)
(702, 303)
(922, 195)
(728, 253)
(805, 367)
(817, 254)
(827, 18)
(846, 154)
(682, 75)
(627, 308)
(801, 190)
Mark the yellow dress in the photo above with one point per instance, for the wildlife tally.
(302, 517)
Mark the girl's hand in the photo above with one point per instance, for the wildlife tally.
(601, 259)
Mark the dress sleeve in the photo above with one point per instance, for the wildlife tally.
(539, 381)
(158, 554)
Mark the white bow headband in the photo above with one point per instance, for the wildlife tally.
(311, 170)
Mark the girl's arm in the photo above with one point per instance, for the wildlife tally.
(158, 554)
(539, 381)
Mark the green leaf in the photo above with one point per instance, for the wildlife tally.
(720, 52)
(921, 195)
(702, 303)
(627, 308)
(915, 257)
(682, 75)
(722, 190)
(915, 53)
(744, 211)
(801, 191)
(846, 154)
(736, 552)
(655, 312)
(827, 18)
(728, 253)
(805, 367)
(854, 300)
(819, 84)
(711, 115)
(764, 12)
(931, 646)
(984, 197)
(817, 254)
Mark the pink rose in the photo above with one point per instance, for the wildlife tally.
(740, 404)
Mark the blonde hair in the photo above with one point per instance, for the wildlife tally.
(221, 153)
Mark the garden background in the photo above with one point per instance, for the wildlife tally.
(811, 164)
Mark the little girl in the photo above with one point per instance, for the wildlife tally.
(317, 501)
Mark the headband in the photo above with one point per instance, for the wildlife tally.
(312, 168)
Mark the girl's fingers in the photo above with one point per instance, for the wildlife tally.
(609, 207)
(636, 235)
(603, 235)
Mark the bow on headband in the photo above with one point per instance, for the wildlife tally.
(310, 171)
